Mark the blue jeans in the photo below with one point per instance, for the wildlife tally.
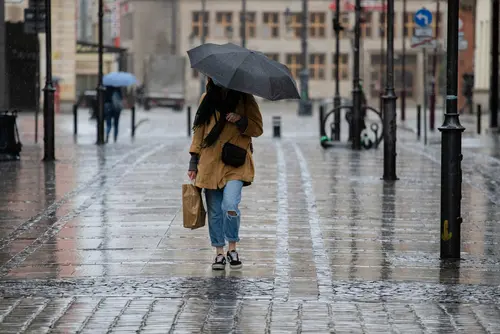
(221, 225)
(112, 117)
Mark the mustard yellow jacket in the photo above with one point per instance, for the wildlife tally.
(212, 172)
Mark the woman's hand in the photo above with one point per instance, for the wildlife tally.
(233, 117)
(192, 175)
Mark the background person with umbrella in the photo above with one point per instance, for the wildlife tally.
(227, 119)
(113, 99)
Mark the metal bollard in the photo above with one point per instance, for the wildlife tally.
(276, 126)
(478, 119)
(75, 119)
(133, 121)
(322, 132)
(189, 121)
(419, 121)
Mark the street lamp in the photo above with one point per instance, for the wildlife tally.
(493, 103)
(100, 87)
(383, 34)
(305, 105)
(243, 21)
(356, 89)
(203, 40)
(451, 147)
(48, 91)
(403, 65)
(390, 98)
(432, 101)
(337, 100)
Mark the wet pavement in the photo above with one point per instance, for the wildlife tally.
(94, 243)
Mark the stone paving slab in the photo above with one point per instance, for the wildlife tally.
(94, 243)
(194, 315)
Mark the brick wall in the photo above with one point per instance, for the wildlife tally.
(466, 57)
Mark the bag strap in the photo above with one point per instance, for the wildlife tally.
(216, 120)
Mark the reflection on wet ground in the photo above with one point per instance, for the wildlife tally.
(95, 242)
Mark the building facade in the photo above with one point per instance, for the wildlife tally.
(148, 27)
(482, 72)
(273, 32)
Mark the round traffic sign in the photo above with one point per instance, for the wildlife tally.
(423, 17)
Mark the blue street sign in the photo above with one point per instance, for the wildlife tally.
(423, 17)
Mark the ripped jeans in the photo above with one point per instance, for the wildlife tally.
(223, 213)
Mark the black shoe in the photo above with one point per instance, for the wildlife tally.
(234, 260)
(219, 263)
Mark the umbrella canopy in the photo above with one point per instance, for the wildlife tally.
(244, 70)
(119, 79)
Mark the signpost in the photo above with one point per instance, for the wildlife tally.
(423, 17)
(34, 21)
(423, 36)
(34, 17)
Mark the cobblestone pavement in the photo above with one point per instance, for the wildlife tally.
(94, 243)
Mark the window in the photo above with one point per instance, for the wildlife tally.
(343, 66)
(345, 23)
(224, 21)
(293, 61)
(378, 72)
(85, 82)
(197, 24)
(381, 25)
(317, 25)
(195, 74)
(250, 24)
(295, 24)
(409, 28)
(366, 25)
(317, 66)
(127, 26)
(273, 56)
(271, 24)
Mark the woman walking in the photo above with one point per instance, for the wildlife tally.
(222, 163)
(113, 105)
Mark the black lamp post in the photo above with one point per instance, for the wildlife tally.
(451, 147)
(495, 22)
(390, 98)
(432, 98)
(243, 23)
(403, 65)
(48, 91)
(383, 34)
(305, 105)
(356, 89)
(203, 35)
(100, 87)
(336, 100)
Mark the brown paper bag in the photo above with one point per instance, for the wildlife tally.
(193, 211)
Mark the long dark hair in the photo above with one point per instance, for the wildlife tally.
(217, 98)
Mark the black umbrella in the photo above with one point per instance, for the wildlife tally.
(244, 70)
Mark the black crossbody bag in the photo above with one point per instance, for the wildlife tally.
(233, 155)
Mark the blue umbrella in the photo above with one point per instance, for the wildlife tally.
(119, 79)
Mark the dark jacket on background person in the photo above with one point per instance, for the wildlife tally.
(108, 93)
